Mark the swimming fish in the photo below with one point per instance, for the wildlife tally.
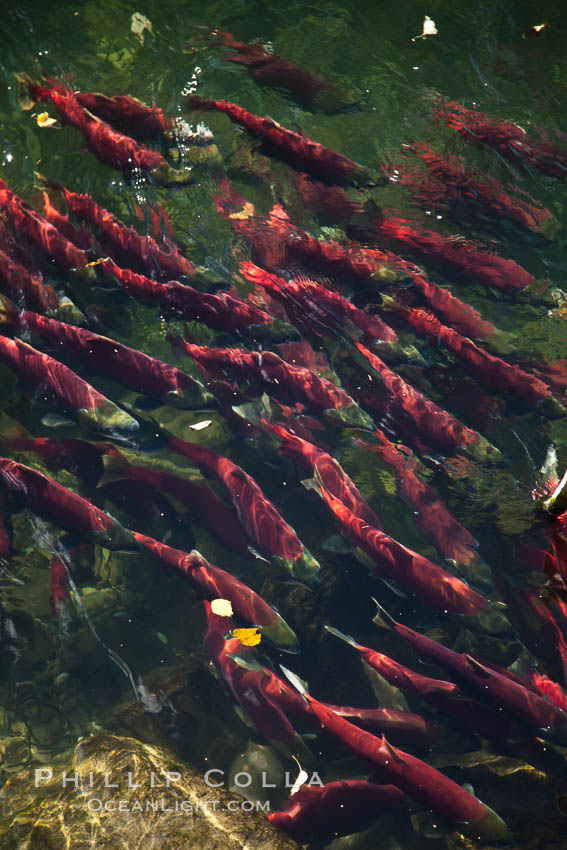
(320, 814)
(259, 372)
(454, 257)
(217, 583)
(413, 776)
(109, 145)
(126, 113)
(127, 247)
(222, 311)
(45, 496)
(247, 686)
(31, 227)
(269, 69)
(468, 712)
(333, 476)
(418, 415)
(510, 140)
(448, 186)
(315, 309)
(45, 375)
(257, 514)
(106, 356)
(299, 152)
(492, 371)
(26, 287)
(208, 509)
(497, 685)
(432, 516)
(412, 572)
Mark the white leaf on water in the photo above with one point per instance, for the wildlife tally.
(429, 28)
(221, 607)
(302, 778)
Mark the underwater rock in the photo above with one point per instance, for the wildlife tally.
(54, 816)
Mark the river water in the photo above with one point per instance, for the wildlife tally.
(124, 653)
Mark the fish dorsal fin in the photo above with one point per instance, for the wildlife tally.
(394, 754)
(382, 618)
(250, 664)
(478, 668)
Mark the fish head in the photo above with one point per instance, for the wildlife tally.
(109, 417)
(350, 416)
(551, 407)
(490, 829)
(68, 312)
(483, 451)
(282, 636)
(304, 569)
(394, 352)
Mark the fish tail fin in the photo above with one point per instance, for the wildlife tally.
(177, 341)
(46, 183)
(257, 413)
(315, 483)
(115, 468)
(28, 91)
(296, 682)
(188, 335)
(341, 635)
(194, 101)
(11, 430)
(8, 311)
(382, 618)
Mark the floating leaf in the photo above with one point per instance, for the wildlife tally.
(221, 607)
(429, 28)
(45, 120)
(533, 32)
(245, 213)
(248, 637)
(302, 778)
(139, 24)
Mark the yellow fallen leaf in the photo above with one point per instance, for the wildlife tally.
(246, 212)
(45, 120)
(96, 262)
(221, 607)
(248, 637)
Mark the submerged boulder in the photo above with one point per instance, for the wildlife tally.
(113, 793)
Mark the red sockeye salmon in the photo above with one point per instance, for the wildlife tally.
(266, 372)
(61, 506)
(257, 514)
(297, 151)
(45, 375)
(414, 777)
